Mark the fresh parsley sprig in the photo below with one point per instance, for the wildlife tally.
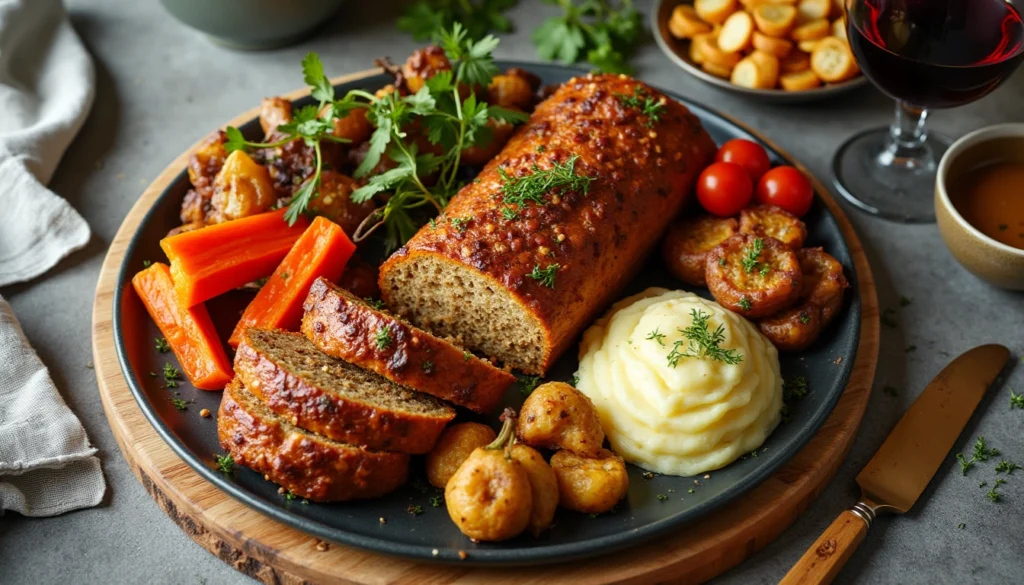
(312, 124)
(452, 124)
(602, 32)
(699, 341)
(424, 18)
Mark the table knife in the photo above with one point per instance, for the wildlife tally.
(905, 463)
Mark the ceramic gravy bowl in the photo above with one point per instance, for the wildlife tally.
(993, 261)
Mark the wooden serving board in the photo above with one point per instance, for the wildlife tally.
(274, 553)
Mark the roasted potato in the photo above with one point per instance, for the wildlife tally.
(685, 23)
(821, 298)
(241, 188)
(824, 282)
(452, 449)
(206, 161)
(832, 60)
(274, 112)
(422, 65)
(490, 496)
(770, 221)
(354, 127)
(592, 485)
(792, 329)
(689, 242)
(510, 91)
(543, 487)
(558, 416)
(753, 276)
(334, 201)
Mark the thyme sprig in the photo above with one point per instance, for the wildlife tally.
(649, 106)
(561, 178)
(699, 341)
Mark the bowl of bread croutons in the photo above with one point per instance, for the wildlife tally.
(777, 50)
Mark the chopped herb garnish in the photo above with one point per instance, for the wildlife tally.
(560, 178)
(575, 380)
(436, 501)
(172, 376)
(1016, 400)
(904, 301)
(260, 282)
(466, 355)
(691, 491)
(745, 303)
(433, 223)
(289, 495)
(376, 304)
(162, 346)
(982, 452)
(649, 106)
(383, 337)
(754, 453)
(751, 254)
(961, 526)
(540, 148)
(992, 494)
(656, 336)
(509, 213)
(427, 366)
(888, 317)
(662, 497)
(1007, 467)
(804, 317)
(460, 223)
(528, 384)
(180, 403)
(794, 388)
(722, 262)
(700, 342)
(225, 463)
(284, 276)
(545, 276)
(415, 510)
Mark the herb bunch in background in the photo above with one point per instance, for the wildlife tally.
(604, 33)
(424, 19)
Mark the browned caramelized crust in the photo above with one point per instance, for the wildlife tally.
(478, 273)
(309, 465)
(344, 326)
(325, 395)
(689, 242)
(771, 221)
(754, 276)
(821, 298)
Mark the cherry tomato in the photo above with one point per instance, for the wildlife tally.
(724, 189)
(788, 188)
(747, 154)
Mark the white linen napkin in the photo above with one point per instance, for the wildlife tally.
(47, 465)
(46, 90)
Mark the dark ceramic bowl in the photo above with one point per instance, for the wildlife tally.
(431, 535)
(253, 24)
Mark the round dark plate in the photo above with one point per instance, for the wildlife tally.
(678, 51)
(430, 535)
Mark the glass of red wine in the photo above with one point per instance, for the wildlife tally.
(925, 54)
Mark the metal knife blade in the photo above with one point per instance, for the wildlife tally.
(922, 439)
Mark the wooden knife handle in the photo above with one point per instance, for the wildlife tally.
(822, 562)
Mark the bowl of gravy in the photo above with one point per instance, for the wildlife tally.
(979, 203)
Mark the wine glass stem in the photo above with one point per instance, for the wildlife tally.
(907, 146)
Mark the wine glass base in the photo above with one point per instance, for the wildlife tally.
(900, 189)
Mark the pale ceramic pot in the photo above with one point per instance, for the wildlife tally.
(993, 261)
(253, 24)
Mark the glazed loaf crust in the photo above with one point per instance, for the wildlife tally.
(486, 262)
(311, 466)
(295, 380)
(345, 327)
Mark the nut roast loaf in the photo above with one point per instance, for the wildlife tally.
(518, 280)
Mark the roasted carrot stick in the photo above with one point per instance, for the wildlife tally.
(188, 330)
(215, 259)
(323, 251)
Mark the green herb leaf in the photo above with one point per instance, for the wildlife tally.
(656, 336)
(415, 510)
(700, 342)
(1007, 467)
(375, 303)
(313, 74)
(751, 255)
(383, 337)
(225, 463)
(527, 384)
(162, 346)
(180, 403)
(560, 178)
(1016, 400)
(545, 276)
(649, 106)
(437, 501)
(605, 32)
(662, 497)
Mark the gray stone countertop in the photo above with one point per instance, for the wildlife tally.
(161, 86)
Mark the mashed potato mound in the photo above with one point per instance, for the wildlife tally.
(698, 416)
